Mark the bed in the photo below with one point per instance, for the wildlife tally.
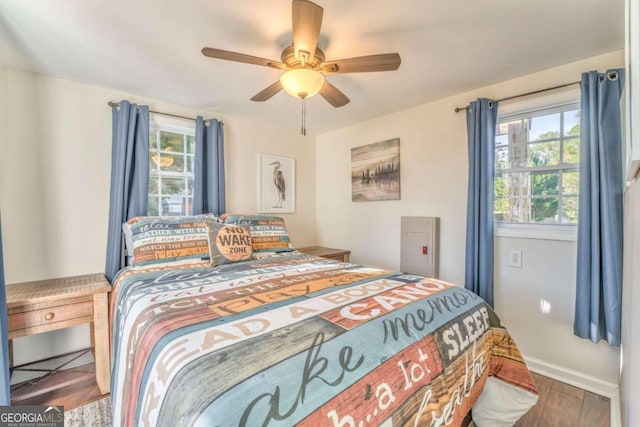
(291, 339)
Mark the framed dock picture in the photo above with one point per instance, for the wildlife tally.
(375, 171)
(276, 184)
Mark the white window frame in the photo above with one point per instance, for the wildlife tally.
(560, 232)
(159, 124)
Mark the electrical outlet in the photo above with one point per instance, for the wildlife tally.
(516, 259)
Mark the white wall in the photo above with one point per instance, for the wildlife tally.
(55, 175)
(244, 139)
(433, 152)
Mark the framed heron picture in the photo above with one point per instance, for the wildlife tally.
(276, 184)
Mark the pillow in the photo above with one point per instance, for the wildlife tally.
(228, 243)
(268, 233)
(157, 240)
(128, 233)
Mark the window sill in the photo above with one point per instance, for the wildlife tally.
(568, 233)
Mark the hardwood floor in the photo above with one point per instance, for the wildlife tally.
(70, 396)
(562, 405)
(559, 404)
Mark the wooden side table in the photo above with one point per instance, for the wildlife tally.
(337, 254)
(48, 305)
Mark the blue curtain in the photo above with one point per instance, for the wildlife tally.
(5, 380)
(208, 182)
(129, 175)
(481, 131)
(600, 214)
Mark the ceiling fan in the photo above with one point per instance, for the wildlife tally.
(304, 62)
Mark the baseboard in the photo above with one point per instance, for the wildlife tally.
(583, 381)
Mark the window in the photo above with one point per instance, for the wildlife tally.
(536, 166)
(171, 153)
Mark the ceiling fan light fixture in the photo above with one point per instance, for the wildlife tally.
(302, 82)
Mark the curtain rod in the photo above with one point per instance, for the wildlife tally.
(458, 109)
(117, 104)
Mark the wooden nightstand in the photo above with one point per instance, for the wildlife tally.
(48, 305)
(337, 254)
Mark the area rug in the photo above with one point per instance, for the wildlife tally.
(98, 414)
(94, 414)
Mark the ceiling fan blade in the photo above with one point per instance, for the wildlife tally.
(307, 20)
(363, 64)
(332, 95)
(240, 57)
(267, 93)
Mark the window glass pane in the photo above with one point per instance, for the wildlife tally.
(572, 150)
(544, 209)
(544, 183)
(171, 186)
(189, 206)
(170, 162)
(502, 158)
(153, 147)
(572, 123)
(570, 210)
(503, 127)
(516, 150)
(190, 186)
(173, 206)
(153, 161)
(152, 207)
(170, 141)
(517, 184)
(545, 127)
(500, 209)
(190, 160)
(500, 188)
(544, 153)
(191, 144)
(502, 140)
(153, 185)
(512, 197)
(517, 210)
(570, 183)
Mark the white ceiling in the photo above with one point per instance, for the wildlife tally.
(152, 48)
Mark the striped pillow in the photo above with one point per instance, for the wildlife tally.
(157, 240)
(268, 233)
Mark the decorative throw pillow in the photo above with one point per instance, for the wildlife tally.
(268, 233)
(127, 229)
(228, 243)
(166, 239)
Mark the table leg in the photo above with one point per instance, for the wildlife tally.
(100, 337)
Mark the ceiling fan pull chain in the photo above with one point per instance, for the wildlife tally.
(303, 131)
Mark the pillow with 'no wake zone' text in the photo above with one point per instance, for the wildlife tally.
(228, 243)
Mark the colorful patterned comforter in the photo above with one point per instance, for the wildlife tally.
(300, 340)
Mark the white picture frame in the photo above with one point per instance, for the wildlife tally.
(272, 171)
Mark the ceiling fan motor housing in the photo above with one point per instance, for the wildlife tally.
(289, 58)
